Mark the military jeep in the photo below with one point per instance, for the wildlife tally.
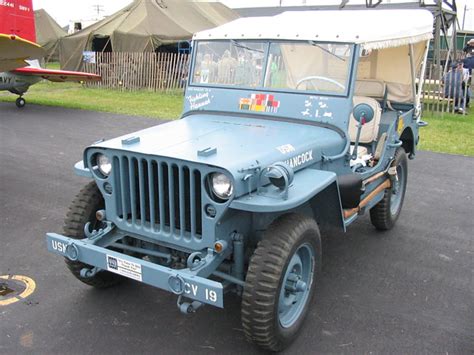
(291, 123)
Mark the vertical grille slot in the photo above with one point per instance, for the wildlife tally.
(187, 200)
(153, 195)
(163, 196)
(197, 202)
(133, 189)
(157, 196)
(144, 192)
(116, 166)
(174, 198)
(122, 187)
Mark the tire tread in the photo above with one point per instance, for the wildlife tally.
(380, 214)
(86, 202)
(261, 291)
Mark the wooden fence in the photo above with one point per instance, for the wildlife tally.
(134, 71)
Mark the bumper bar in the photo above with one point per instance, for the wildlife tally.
(177, 281)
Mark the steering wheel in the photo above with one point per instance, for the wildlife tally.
(315, 77)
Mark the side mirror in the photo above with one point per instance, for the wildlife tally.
(363, 113)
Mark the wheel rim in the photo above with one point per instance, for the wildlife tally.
(398, 189)
(296, 285)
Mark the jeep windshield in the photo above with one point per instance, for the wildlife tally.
(318, 67)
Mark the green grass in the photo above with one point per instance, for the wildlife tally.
(447, 133)
(74, 95)
(53, 65)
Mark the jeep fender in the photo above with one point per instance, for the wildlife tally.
(317, 188)
(81, 170)
(408, 141)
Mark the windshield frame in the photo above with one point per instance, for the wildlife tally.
(262, 86)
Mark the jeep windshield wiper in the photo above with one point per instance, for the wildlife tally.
(240, 45)
(326, 50)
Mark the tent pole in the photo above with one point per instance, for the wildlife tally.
(103, 49)
(412, 70)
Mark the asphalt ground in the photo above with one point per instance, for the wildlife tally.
(409, 290)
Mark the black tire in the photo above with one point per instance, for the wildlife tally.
(265, 276)
(20, 102)
(382, 215)
(81, 211)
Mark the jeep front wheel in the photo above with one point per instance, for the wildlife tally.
(280, 281)
(82, 210)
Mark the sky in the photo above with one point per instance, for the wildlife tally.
(82, 10)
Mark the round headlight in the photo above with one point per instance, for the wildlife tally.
(221, 186)
(104, 164)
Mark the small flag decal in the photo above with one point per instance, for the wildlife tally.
(259, 103)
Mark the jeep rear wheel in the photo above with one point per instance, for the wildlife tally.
(279, 284)
(82, 210)
(384, 214)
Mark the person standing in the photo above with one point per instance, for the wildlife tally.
(455, 86)
(469, 47)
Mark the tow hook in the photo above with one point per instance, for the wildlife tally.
(88, 273)
(96, 234)
(188, 307)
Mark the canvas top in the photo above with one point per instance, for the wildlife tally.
(373, 29)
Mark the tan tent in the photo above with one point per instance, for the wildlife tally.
(143, 26)
(48, 34)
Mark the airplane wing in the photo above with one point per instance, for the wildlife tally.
(15, 50)
(57, 75)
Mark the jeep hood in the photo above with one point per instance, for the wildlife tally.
(232, 142)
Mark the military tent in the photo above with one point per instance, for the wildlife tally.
(48, 34)
(143, 26)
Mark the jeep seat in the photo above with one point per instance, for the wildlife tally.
(370, 130)
(366, 90)
(371, 88)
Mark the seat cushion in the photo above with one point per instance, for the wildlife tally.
(371, 129)
(370, 87)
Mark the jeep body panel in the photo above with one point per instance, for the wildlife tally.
(238, 144)
(306, 184)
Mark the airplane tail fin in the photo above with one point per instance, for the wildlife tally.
(18, 18)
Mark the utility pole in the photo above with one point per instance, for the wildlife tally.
(464, 16)
(98, 8)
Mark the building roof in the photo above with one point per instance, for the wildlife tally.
(371, 28)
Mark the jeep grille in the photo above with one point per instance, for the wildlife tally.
(160, 197)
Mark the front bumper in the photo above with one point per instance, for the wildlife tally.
(176, 281)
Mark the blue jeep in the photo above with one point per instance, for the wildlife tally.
(290, 123)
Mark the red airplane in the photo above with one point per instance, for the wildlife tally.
(19, 68)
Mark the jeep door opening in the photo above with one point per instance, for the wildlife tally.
(290, 123)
